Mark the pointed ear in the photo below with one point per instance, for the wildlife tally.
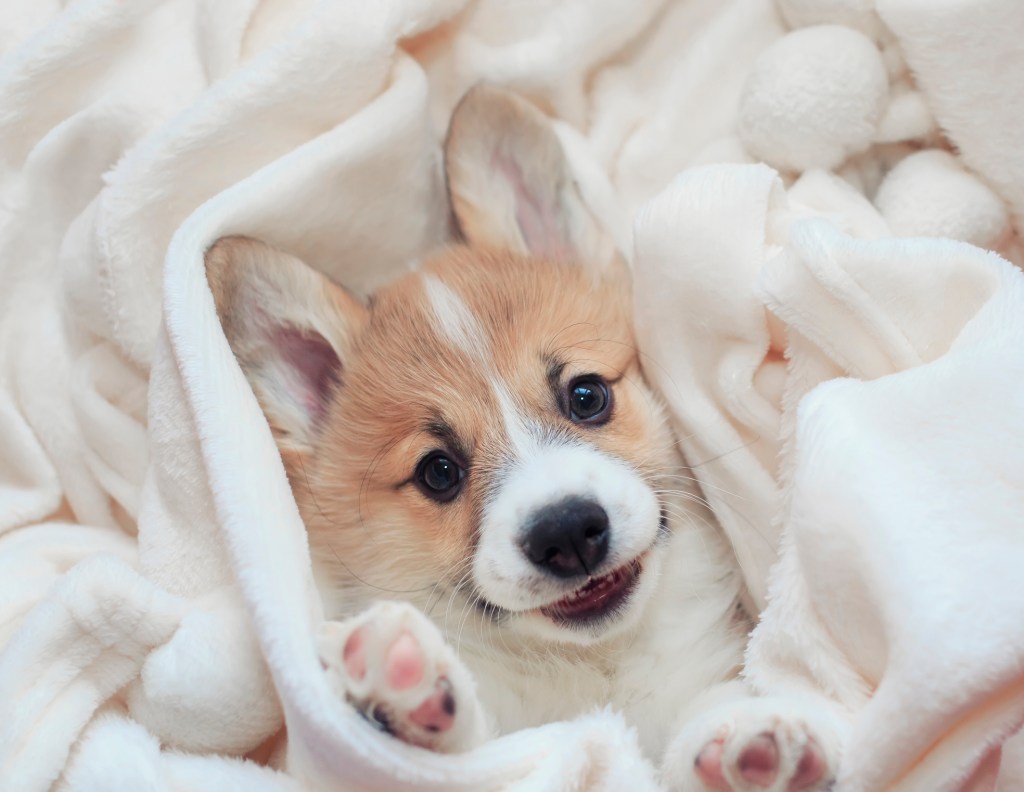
(290, 329)
(510, 184)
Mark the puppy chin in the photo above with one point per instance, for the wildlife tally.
(534, 625)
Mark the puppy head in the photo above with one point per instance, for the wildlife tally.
(478, 439)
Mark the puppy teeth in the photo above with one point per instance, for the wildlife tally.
(593, 595)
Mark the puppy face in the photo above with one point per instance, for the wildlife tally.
(478, 439)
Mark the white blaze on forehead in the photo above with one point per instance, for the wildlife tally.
(517, 427)
(455, 321)
(460, 327)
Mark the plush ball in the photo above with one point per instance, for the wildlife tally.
(857, 14)
(930, 194)
(813, 98)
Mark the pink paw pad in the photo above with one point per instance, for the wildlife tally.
(810, 770)
(437, 712)
(391, 666)
(404, 662)
(758, 762)
(708, 765)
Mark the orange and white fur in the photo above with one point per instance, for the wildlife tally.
(498, 514)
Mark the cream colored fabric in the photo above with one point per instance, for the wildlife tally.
(867, 414)
(156, 604)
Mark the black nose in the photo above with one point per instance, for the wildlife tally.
(568, 538)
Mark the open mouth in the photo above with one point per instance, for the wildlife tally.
(597, 598)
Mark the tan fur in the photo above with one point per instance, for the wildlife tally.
(405, 376)
(353, 475)
(368, 523)
(472, 356)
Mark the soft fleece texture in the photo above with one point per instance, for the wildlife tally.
(898, 595)
(156, 602)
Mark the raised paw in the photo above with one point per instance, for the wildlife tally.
(755, 745)
(392, 665)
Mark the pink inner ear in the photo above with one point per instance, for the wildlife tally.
(315, 364)
(536, 213)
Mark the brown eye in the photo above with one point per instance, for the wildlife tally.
(589, 400)
(439, 477)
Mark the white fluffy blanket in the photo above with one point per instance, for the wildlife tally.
(852, 403)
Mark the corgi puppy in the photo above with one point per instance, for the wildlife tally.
(500, 521)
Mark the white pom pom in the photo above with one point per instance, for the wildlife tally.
(930, 194)
(813, 99)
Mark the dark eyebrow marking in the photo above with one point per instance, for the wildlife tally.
(448, 438)
(555, 369)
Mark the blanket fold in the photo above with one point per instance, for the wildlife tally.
(847, 399)
(903, 363)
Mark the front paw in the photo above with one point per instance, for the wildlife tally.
(755, 745)
(392, 665)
